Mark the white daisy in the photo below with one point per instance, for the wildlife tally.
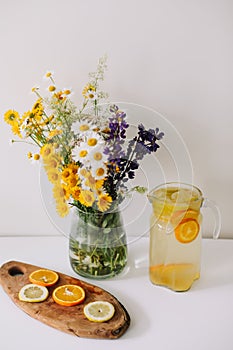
(92, 95)
(80, 127)
(93, 139)
(80, 153)
(90, 142)
(96, 156)
(98, 171)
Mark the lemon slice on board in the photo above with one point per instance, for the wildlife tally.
(44, 277)
(33, 293)
(69, 295)
(99, 311)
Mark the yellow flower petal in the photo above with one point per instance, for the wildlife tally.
(104, 201)
(54, 133)
(86, 198)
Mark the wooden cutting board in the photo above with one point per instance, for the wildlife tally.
(14, 275)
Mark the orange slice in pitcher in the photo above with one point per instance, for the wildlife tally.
(187, 230)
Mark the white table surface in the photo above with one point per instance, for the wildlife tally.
(201, 318)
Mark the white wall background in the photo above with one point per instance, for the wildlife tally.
(174, 56)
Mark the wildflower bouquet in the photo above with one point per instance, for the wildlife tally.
(89, 161)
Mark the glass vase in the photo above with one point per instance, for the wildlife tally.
(97, 244)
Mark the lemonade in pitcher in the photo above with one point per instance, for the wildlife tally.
(175, 237)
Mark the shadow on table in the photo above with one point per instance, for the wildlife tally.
(138, 261)
(216, 265)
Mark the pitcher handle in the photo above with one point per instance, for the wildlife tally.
(207, 203)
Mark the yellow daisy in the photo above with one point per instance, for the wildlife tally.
(62, 208)
(104, 201)
(60, 192)
(73, 167)
(52, 163)
(75, 192)
(86, 198)
(66, 173)
(16, 129)
(93, 183)
(46, 151)
(90, 181)
(11, 117)
(53, 176)
(37, 105)
(73, 180)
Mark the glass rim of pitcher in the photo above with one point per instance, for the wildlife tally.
(178, 184)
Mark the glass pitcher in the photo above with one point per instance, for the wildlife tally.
(175, 234)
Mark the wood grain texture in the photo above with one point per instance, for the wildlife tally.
(14, 275)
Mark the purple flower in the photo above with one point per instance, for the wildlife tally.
(123, 163)
(148, 138)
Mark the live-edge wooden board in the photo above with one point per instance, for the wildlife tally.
(14, 275)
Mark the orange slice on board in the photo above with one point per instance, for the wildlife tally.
(187, 230)
(68, 295)
(44, 278)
